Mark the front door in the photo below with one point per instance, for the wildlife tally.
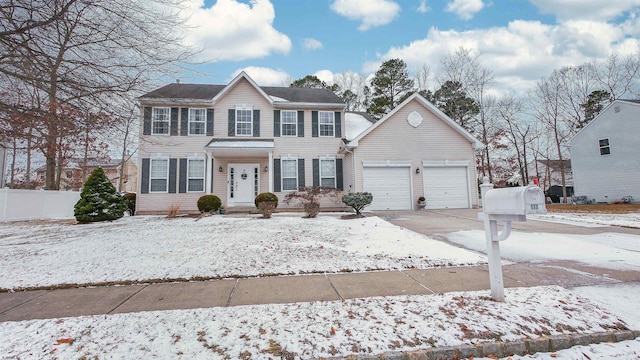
(243, 183)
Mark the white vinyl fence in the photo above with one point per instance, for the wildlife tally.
(18, 205)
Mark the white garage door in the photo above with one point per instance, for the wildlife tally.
(390, 187)
(446, 187)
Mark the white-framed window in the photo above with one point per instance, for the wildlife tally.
(244, 122)
(195, 175)
(289, 172)
(160, 120)
(197, 121)
(288, 123)
(328, 172)
(159, 175)
(326, 123)
(604, 147)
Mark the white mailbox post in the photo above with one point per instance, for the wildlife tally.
(506, 205)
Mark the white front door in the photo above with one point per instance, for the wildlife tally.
(244, 184)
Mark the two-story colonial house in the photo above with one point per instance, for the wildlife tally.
(236, 141)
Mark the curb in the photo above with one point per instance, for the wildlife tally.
(502, 349)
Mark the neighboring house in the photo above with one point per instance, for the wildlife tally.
(71, 178)
(236, 141)
(605, 160)
(550, 178)
(241, 139)
(413, 151)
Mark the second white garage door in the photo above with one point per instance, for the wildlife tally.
(390, 187)
(446, 187)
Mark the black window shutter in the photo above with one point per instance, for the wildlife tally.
(184, 121)
(300, 123)
(276, 175)
(316, 172)
(232, 122)
(314, 123)
(174, 121)
(276, 123)
(339, 177)
(173, 164)
(300, 173)
(256, 123)
(338, 124)
(144, 178)
(146, 121)
(209, 122)
(182, 178)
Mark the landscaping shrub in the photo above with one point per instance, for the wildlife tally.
(130, 202)
(309, 197)
(209, 203)
(357, 200)
(266, 196)
(99, 200)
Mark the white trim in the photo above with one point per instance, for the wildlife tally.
(446, 163)
(189, 122)
(151, 159)
(204, 179)
(153, 110)
(295, 123)
(387, 163)
(475, 142)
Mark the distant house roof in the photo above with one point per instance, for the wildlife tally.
(208, 92)
(555, 164)
(630, 100)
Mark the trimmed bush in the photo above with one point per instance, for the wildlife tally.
(130, 201)
(209, 203)
(99, 200)
(266, 196)
(357, 200)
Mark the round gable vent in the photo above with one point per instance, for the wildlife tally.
(414, 119)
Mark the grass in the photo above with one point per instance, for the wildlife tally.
(595, 208)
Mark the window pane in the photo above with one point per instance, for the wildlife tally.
(604, 142)
(244, 122)
(329, 182)
(158, 185)
(159, 168)
(289, 168)
(196, 168)
(289, 184)
(605, 151)
(327, 168)
(160, 120)
(197, 121)
(325, 119)
(196, 185)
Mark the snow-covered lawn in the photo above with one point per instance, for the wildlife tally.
(591, 219)
(143, 248)
(311, 330)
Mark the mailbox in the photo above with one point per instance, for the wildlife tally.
(523, 200)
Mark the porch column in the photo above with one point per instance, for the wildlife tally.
(208, 172)
(270, 170)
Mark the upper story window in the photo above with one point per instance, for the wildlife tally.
(604, 147)
(158, 175)
(289, 123)
(289, 168)
(195, 175)
(244, 122)
(160, 121)
(326, 123)
(197, 121)
(328, 172)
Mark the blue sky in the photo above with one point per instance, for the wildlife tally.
(520, 41)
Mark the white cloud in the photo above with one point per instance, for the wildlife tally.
(586, 9)
(465, 9)
(264, 76)
(311, 44)
(369, 12)
(520, 53)
(423, 8)
(325, 75)
(234, 31)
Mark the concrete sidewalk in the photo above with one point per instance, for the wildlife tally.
(43, 304)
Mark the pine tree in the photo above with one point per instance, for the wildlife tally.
(99, 200)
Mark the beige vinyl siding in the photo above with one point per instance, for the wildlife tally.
(243, 93)
(433, 140)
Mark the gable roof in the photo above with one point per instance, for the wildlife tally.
(476, 143)
(272, 94)
(604, 111)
